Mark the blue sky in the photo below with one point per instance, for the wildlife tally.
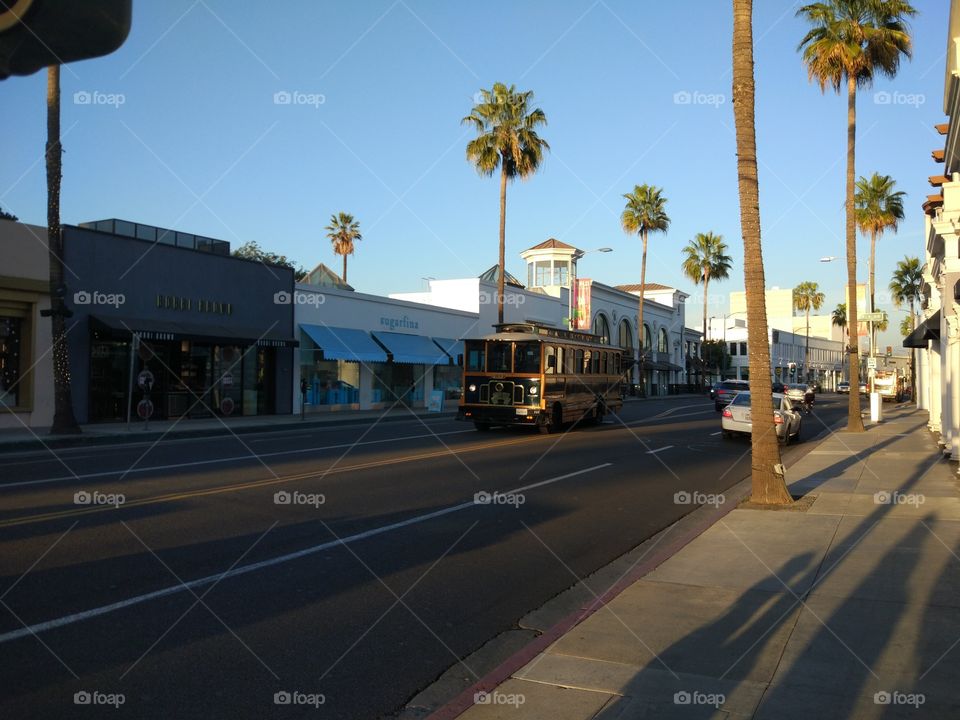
(180, 128)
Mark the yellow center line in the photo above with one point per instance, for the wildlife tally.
(171, 497)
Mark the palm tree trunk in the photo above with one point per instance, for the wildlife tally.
(854, 421)
(63, 418)
(503, 240)
(344, 268)
(706, 282)
(873, 326)
(768, 486)
(913, 358)
(806, 348)
(640, 332)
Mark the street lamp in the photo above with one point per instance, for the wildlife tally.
(573, 280)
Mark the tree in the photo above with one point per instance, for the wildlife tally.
(906, 327)
(705, 259)
(64, 420)
(343, 232)
(807, 297)
(839, 317)
(851, 41)
(767, 481)
(644, 213)
(252, 251)
(4, 215)
(507, 140)
(879, 208)
(906, 286)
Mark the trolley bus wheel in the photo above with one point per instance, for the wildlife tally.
(481, 426)
(556, 419)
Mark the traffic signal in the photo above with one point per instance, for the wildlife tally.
(37, 33)
(889, 350)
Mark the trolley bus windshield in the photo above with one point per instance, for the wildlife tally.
(503, 357)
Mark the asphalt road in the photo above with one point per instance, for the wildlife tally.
(187, 588)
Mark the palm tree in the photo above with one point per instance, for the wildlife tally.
(767, 484)
(343, 232)
(64, 420)
(907, 286)
(839, 317)
(644, 213)
(878, 208)
(807, 297)
(506, 139)
(706, 259)
(852, 40)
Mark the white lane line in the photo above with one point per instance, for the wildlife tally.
(214, 461)
(654, 452)
(716, 433)
(244, 569)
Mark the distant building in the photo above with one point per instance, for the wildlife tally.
(781, 315)
(323, 277)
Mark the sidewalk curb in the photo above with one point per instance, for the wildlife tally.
(46, 442)
(465, 700)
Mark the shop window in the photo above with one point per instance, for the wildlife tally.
(662, 341)
(11, 361)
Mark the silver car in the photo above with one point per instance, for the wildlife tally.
(736, 420)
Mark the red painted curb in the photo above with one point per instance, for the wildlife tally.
(465, 700)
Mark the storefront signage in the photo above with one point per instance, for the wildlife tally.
(435, 404)
(203, 305)
(404, 322)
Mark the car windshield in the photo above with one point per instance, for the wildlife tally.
(742, 399)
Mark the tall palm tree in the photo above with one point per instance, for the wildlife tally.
(344, 233)
(878, 208)
(644, 213)
(64, 420)
(906, 286)
(807, 297)
(706, 259)
(767, 484)
(506, 139)
(851, 41)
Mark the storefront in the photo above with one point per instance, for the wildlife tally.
(392, 353)
(212, 334)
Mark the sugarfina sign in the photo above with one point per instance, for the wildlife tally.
(402, 322)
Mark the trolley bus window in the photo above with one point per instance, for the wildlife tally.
(526, 357)
(475, 356)
(499, 357)
(550, 365)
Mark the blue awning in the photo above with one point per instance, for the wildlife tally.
(453, 348)
(345, 343)
(417, 349)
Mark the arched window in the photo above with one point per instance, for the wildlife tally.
(625, 336)
(647, 340)
(662, 341)
(602, 328)
(686, 348)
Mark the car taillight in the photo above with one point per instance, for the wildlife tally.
(727, 413)
(777, 419)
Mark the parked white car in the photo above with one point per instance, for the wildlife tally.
(736, 419)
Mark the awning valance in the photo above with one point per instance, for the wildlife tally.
(416, 349)
(340, 343)
(929, 329)
(153, 329)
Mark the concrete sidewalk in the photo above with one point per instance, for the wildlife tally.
(847, 609)
(21, 438)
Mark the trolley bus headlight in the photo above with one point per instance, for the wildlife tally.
(472, 387)
(533, 390)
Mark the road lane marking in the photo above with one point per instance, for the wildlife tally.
(246, 485)
(214, 461)
(654, 452)
(716, 433)
(251, 567)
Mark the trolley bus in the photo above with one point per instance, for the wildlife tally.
(527, 374)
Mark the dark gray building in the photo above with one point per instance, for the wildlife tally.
(214, 331)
